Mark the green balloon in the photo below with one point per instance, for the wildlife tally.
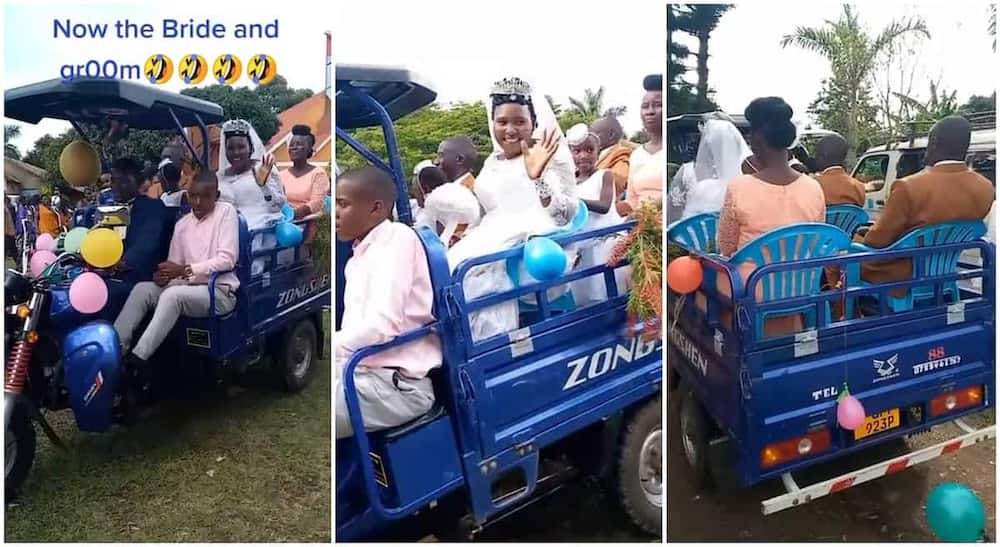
(74, 239)
(955, 514)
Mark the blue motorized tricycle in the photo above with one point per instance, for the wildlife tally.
(58, 357)
(570, 393)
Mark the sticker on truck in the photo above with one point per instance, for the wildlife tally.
(605, 360)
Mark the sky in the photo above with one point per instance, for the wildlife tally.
(561, 48)
(747, 60)
(31, 54)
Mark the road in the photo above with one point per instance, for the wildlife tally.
(888, 509)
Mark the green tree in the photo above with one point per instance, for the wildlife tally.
(680, 98)
(279, 96)
(853, 55)
(704, 18)
(419, 134)
(11, 132)
(979, 103)
(242, 102)
(940, 105)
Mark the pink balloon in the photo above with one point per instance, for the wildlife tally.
(45, 242)
(88, 293)
(850, 413)
(39, 261)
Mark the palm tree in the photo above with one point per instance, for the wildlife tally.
(591, 106)
(852, 53)
(11, 132)
(702, 20)
(992, 25)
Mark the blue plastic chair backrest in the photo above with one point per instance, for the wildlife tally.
(696, 233)
(944, 262)
(790, 243)
(847, 217)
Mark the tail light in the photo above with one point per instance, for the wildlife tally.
(807, 445)
(957, 400)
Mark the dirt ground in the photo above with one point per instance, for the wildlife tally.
(887, 509)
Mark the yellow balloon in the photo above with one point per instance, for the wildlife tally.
(102, 248)
(79, 164)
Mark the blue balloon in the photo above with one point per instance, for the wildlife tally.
(287, 212)
(289, 235)
(544, 259)
(327, 204)
(954, 513)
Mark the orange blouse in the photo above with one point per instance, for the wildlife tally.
(309, 189)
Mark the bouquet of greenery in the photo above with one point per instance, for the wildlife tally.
(643, 248)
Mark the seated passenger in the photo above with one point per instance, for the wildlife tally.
(387, 293)
(205, 241)
(775, 196)
(948, 190)
(839, 187)
(615, 152)
(146, 239)
(651, 110)
(249, 182)
(169, 180)
(720, 153)
(596, 188)
(305, 185)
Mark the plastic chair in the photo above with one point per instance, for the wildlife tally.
(846, 217)
(787, 244)
(696, 233)
(929, 265)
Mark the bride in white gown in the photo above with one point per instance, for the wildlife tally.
(527, 187)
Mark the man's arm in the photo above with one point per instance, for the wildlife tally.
(143, 252)
(388, 289)
(894, 220)
(228, 249)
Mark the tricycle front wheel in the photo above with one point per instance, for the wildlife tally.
(19, 453)
(296, 356)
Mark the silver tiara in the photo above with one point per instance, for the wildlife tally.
(512, 86)
(237, 127)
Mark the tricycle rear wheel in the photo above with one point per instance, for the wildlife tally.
(296, 356)
(640, 468)
(19, 453)
(695, 432)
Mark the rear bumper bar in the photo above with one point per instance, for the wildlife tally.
(797, 495)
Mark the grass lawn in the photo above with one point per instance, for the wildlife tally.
(254, 468)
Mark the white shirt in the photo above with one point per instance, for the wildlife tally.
(172, 199)
(388, 293)
(949, 162)
(260, 205)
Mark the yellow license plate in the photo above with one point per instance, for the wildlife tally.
(883, 421)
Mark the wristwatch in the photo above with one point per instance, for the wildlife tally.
(188, 272)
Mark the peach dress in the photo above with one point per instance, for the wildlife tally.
(309, 189)
(752, 208)
(646, 184)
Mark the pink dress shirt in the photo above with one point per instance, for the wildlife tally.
(208, 245)
(388, 293)
(309, 189)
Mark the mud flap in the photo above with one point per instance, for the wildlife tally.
(721, 463)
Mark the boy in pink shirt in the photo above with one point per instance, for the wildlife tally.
(387, 293)
(205, 241)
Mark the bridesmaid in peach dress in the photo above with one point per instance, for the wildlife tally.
(305, 185)
(775, 196)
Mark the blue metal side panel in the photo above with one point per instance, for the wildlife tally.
(567, 377)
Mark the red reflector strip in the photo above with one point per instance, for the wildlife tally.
(842, 485)
(951, 447)
(897, 465)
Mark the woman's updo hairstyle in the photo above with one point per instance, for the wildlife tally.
(302, 130)
(513, 90)
(772, 116)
